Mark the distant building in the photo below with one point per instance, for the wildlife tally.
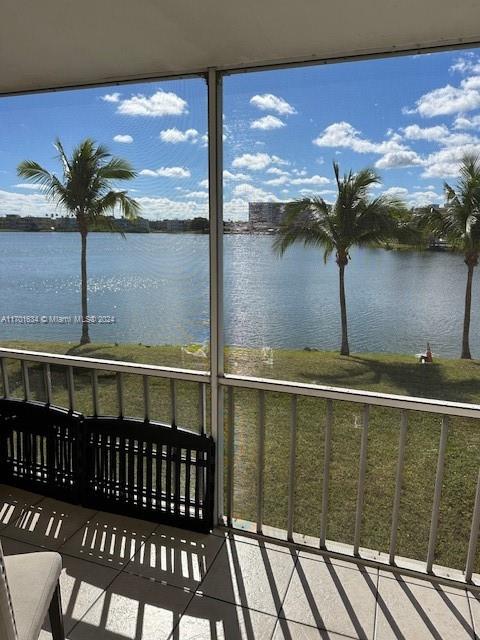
(265, 214)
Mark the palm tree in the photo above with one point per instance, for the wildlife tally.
(355, 219)
(459, 224)
(86, 192)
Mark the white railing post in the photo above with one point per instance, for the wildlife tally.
(215, 182)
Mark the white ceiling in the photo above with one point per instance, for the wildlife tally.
(54, 43)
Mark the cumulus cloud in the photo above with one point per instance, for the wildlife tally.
(256, 161)
(276, 171)
(342, 134)
(161, 103)
(124, 138)
(267, 122)
(175, 136)
(159, 208)
(196, 194)
(466, 122)
(276, 182)
(253, 194)
(415, 132)
(203, 183)
(111, 97)
(270, 102)
(167, 172)
(466, 63)
(316, 179)
(26, 204)
(449, 99)
(235, 177)
(445, 162)
(27, 185)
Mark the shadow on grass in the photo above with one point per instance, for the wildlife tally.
(414, 379)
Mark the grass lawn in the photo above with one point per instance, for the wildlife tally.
(445, 379)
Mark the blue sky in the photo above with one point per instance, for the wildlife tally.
(412, 118)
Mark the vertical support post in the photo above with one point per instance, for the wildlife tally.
(71, 388)
(47, 377)
(120, 395)
(326, 473)
(173, 403)
(6, 390)
(398, 486)
(95, 400)
(260, 460)
(361, 480)
(215, 185)
(26, 382)
(231, 454)
(292, 468)
(472, 544)
(146, 398)
(437, 495)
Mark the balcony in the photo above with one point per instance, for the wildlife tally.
(129, 578)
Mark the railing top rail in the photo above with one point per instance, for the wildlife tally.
(106, 365)
(353, 395)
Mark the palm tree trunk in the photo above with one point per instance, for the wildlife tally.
(83, 268)
(345, 349)
(466, 355)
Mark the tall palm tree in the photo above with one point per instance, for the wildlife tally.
(459, 224)
(355, 219)
(86, 192)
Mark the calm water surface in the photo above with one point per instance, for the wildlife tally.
(156, 287)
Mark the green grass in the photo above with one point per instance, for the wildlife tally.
(445, 379)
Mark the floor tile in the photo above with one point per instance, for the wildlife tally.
(474, 600)
(133, 608)
(177, 557)
(227, 534)
(81, 584)
(288, 630)
(337, 598)
(109, 539)
(415, 612)
(48, 524)
(13, 501)
(13, 547)
(424, 582)
(249, 575)
(206, 618)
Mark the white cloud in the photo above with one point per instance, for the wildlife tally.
(27, 185)
(196, 194)
(159, 208)
(394, 152)
(256, 161)
(414, 132)
(203, 183)
(269, 102)
(175, 135)
(253, 194)
(111, 97)
(315, 180)
(126, 139)
(276, 182)
(396, 192)
(445, 162)
(465, 122)
(167, 172)
(267, 122)
(466, 63)
(398, 159)
(449, 99)
(278, 172)
(26, 204)
(161, 103)
(235, 177)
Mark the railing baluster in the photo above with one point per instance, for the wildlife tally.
(95, 400)
(398, 485)
(71, 388)
(472, 544)
(260, 459)
(146, 398)
(326, 473)
(26, 382)
(47, 376)
(120, 395)
(6, 389)
(437, 495)
(230, 454)
(173, 402)
(361, 480)
(202, 407)
(291, 472)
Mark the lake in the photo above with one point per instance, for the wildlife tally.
(156, 288)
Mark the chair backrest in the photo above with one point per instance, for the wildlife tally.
(8, 630)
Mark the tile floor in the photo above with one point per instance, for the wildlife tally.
(126, 579)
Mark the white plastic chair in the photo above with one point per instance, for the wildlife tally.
(29, 588)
